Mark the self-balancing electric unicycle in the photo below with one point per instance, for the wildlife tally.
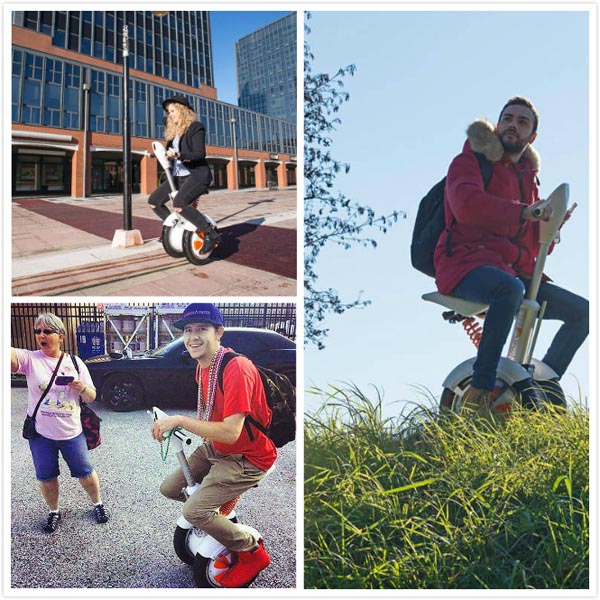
(180, 237)
(210, 560)
(517, 371)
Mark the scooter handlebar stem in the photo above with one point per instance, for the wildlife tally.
(558, 199)
(522, 330)
(159, 414)
(161, 156)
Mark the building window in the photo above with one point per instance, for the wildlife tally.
(17, 70)
(291, 175)
(72, 96)
(46, 22)
(32, 90)
(73, 36)
(140, 104)
(113, 104)
(52, 92)
(97, 112)
(40, 173)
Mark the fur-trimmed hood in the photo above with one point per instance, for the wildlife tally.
(483, 139)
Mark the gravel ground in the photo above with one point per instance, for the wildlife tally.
(134, 549)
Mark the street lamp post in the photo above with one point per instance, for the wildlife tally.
(126, 236)
(235, 153)
(126, 132)
(86, 127)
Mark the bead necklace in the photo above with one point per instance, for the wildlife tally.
(205, 408)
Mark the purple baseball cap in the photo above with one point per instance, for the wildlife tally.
(200, 313)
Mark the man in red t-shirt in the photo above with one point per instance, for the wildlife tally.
(228, 462)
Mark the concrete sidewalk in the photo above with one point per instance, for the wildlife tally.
(62, 246)
(134, 550)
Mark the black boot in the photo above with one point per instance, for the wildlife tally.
(212, 238)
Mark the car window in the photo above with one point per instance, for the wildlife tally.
(252, 342)
(247, 342)
(167, 348)
(242, 341)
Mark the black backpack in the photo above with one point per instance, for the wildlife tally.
(430, 221)
(281, 398)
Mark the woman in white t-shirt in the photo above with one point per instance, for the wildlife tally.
(57, 421)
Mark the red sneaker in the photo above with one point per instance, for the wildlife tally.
(247, 566)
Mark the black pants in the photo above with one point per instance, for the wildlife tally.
(189, 188)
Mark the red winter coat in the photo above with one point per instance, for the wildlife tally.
(483, 225)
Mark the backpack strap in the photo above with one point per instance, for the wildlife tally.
(487, 170)
(228, 356)
(485, 166)
(77, 369)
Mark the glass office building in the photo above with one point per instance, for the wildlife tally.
(69, 77)
(266, 69)
(176, 46)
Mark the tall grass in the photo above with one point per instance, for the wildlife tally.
(425, 502)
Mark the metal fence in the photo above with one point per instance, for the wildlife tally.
(280, 317)
(22, 319)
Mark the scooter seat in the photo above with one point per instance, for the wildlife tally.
(462, 307)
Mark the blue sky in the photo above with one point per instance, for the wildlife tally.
(421, 78)
(227, 27)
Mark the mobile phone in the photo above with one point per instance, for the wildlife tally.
(64, 379)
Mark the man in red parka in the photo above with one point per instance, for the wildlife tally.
(491, 240)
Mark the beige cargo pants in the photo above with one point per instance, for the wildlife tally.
(222, 477)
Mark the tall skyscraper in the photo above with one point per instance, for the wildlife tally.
(68, 108)
(266, 69)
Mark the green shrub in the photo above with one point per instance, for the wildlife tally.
(423, 502)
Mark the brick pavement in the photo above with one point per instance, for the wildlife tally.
(61, 246)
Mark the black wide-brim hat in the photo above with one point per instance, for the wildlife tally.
(176, 99)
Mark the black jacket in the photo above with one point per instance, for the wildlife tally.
(192, 146)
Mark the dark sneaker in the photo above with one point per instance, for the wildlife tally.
(247, 566)
(52, 524)
(101, 514)
(212, 239)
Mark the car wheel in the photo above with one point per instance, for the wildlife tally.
(122, 392)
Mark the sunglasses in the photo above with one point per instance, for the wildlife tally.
(44, 331)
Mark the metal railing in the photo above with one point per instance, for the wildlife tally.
(280, 317)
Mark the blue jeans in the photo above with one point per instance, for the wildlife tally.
(574, 312)
(504, 294)
(45, 456)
